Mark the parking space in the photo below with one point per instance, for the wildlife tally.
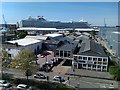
(47, 58)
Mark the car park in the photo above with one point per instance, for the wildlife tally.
(5, 84)
(58, 78)
(23, 87)
(40, 76)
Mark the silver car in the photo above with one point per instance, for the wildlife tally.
(23, 87)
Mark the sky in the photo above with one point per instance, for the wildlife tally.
(93, 12)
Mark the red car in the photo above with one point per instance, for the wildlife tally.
(41, 55)
(46, 53)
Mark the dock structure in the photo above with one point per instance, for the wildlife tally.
(102, 42)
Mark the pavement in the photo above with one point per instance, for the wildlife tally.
(103, 43)
(42, 61)
(89, 73)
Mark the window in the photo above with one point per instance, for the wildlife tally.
(94, 59)
(84, 58)
(95, 62)
(89, 58)
(99, 59)
(99, 62)
(104, 63)
(61, 53)
(82, 61)
(94, 66)
(104, 67)
(57, 52)
(89, 65)
(75, 58)
(84, 65)
(105, 60)
(69, 53)
(8, 49)
(65, 53)
(99, 66)
(80, 57)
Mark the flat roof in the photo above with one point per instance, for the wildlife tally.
(86, 29)
(41, 29)
(53, 35)
(39, 37)
(24, 41)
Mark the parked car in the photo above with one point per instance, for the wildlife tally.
(40, 76)
(7, 85)
(42, 68)
(46, 53)
(23, 87)
(41, 55)
(58, 78)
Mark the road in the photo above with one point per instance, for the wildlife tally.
(74, 81)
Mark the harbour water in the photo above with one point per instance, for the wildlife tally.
(111, 36)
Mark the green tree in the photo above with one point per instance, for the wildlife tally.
(5, 58)
(21, 34)
(118, 75)
(113, 70)
(24, 58)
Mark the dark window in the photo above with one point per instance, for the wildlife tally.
(89, 58)
(84, 65)
(57, 52)
(94, 59)
(8, 49)
(99, 59)
(104, 67)
(82, 61)
(80, 57)
(69, 53)
(89, 65)
(75, 58)
(84, 58)
(61, 53)
(94, 66)
(65, 53)
(99, 66)
(104, 59)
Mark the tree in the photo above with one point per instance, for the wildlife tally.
(23, 61)
(21, 34)
(5, 58)
(113, 70)
(118, 75)
(24, 58)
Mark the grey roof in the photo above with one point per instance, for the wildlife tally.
(67, 38)
(68, 46)
(51, 41)
(91, 48)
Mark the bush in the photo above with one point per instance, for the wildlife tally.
(113, 70)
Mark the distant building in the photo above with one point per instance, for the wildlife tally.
(55, 36)
(13, 47)
(10, 26)
(91, 56)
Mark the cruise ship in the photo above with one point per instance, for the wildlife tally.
(41, 22)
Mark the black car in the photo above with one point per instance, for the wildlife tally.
(40, 76)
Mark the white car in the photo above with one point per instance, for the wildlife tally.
(58, 78)
(7, 85)
(24, 87)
